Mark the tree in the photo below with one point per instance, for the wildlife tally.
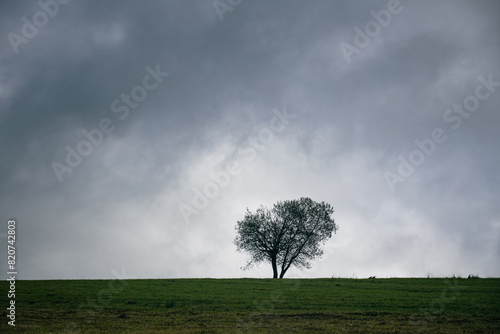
(288, 234)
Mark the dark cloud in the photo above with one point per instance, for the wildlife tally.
(352, 121)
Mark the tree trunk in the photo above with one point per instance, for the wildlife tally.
(275, 267)
(282, 273)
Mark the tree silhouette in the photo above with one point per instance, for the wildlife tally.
(290, 233)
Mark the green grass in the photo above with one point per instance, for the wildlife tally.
(395, 305)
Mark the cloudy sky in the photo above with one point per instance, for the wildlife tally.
(134, 135)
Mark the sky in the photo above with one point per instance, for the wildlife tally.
(134, 135)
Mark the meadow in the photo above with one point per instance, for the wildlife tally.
(327, 305)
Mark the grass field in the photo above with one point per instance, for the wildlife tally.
(395, 305)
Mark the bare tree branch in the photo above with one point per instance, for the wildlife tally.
(287, 235)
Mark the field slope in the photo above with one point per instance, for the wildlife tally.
(395, 305)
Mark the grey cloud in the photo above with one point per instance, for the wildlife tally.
(120, 206)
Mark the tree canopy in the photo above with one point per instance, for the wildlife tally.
(288, 234)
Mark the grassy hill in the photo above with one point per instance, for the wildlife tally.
(395, 305)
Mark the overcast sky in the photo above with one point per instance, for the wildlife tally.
(134, 135)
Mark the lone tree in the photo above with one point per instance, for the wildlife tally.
(288, 234)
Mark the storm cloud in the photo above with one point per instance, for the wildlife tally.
(135, 135)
